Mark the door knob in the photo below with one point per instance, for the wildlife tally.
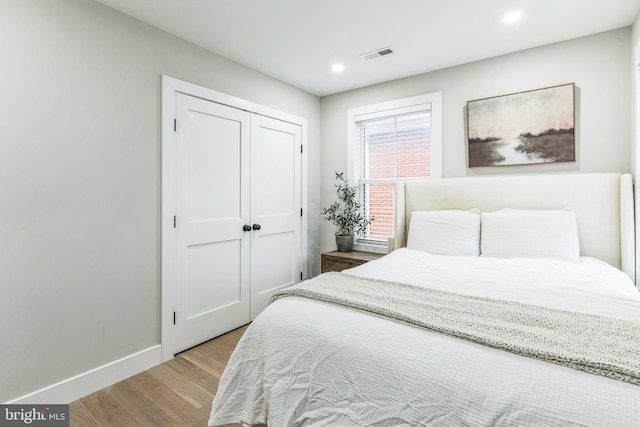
(256, 227)
(246, 228)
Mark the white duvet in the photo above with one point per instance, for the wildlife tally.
(304, 362)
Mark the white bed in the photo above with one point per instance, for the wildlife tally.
(309, 362)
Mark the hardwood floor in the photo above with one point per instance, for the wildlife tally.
(176, 393)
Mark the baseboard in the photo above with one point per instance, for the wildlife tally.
(74, 388)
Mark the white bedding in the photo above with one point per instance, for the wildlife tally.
(305, 362)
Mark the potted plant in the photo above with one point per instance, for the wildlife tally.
(346, 214)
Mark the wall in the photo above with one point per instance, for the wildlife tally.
(598, 64)
(635, 128)
(80, 181)
(635, 99)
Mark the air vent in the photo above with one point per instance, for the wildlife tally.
(377, 53)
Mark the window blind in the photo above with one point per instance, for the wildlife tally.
(391, 148)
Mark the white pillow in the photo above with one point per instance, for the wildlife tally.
(510, 233)
(446, 232)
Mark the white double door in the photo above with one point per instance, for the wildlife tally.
(238, 219)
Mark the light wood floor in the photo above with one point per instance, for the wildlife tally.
(176, 393)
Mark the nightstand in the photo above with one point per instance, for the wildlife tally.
(338, 261)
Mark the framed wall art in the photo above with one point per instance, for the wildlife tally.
(530, 127)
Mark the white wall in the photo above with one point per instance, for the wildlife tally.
(599, 65)
(635, 126)
(80, 181)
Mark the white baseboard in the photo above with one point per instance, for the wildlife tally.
(74, 388)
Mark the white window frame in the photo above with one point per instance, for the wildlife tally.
(433, 101)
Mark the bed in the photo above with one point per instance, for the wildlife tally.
(522, 331)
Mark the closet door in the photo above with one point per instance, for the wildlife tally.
(276, 182)
(212, 200)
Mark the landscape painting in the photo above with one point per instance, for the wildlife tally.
(530, 127)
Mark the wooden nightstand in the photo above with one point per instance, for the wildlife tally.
(338, 261)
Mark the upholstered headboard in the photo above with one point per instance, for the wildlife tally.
(603, 203)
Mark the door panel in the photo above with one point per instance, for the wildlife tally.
(212, 200)
(275, 206)
(274, 167)
(276, 271)
(211, 277)
(214, 157)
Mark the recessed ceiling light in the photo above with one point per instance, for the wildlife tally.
(512, 17)
(337, 68)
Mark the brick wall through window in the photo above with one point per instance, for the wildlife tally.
(393, 148)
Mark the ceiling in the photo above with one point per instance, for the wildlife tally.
(298, 41)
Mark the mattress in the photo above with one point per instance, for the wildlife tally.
(305, 362)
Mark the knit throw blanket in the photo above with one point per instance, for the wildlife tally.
(595, 344)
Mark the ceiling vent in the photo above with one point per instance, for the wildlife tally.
(377, 53)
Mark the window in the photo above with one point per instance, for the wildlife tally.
(390, 142)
